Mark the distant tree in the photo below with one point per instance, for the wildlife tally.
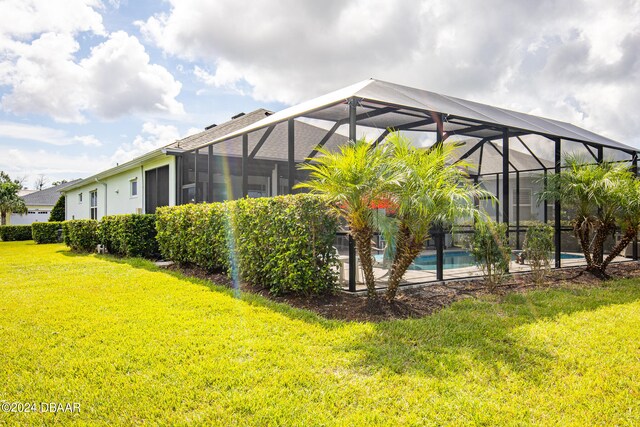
(10, 202)
(57, 213)
(56, 183)
(40, 182)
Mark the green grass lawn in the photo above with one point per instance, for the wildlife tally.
(136, 345)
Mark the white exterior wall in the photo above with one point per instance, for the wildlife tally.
(34, 214)
(117, 190)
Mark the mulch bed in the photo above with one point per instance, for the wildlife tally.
(420, 301)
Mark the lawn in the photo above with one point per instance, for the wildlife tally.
(136, 345)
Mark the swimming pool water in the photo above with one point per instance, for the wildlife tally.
(454, 259)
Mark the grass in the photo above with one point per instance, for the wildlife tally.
(136, 345)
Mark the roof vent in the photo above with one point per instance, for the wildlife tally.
(237, 115)
(210, 126)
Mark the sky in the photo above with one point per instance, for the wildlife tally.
(87, 84)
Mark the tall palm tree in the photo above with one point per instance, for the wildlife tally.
(429, 190)
(603, 196)
(353, 178)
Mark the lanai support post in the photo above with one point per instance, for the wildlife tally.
(600, 159)
(439, 237)
(352, 244)
(245, 165)
(517, 210)
(505, 178)
(291, 156)
(556, 206)
(634, 169)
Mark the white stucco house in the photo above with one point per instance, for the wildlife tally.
(185, 172)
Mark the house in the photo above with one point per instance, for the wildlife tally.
(39, 204)
(184, 172)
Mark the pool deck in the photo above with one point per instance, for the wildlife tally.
(427, 277)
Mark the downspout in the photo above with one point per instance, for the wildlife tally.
(106, 196)
(143, 205)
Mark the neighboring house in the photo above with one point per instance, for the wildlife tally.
(39, 204)
(182, 172)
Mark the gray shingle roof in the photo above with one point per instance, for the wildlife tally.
(307, 137)
(46, 197)
(201, 138)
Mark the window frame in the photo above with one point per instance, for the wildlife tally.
(133, 181)
(93, 204)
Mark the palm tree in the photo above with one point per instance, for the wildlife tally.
(10, 202)
(603, 197)
(428, 190)
(353, 178)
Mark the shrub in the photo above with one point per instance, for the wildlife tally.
(46, 232)
(286, 243)
(195, 234)
(283, 243)
(132, 235)
(538, 245)
(81, 235)
(490, 250)
(10, 233)
(57, 213)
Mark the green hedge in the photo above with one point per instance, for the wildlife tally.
(282, 243)
(132, 235)
(81, 235)
(286, 243)
(195, 234)
(45, 232)
(10, 233)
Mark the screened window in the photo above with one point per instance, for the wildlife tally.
(93, 204)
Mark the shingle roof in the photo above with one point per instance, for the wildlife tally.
(307, 137)
(201, 138)
(48, 196)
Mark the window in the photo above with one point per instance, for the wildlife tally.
(93, 204)
(80, 198)
(526, 196)
(133, 185)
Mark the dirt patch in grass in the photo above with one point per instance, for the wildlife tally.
(423, 300)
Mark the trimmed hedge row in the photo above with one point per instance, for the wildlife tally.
(283, 243)
(12, 233)
(81, 235)
(132, 235)
(45, 232)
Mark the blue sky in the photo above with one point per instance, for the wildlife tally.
(85, 84)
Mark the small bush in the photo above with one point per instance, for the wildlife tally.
(10, 233)
(131, 235)
(81, 235)
(282, 243)
(46, 232)
(490, 250)
(286, 243)
(195, 234)
(538, 246)
(57, 213)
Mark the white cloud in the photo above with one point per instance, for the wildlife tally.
(45, 134)
(577, 60)
(40, 66)
(151, 137)
(54, 165)
(24, 18)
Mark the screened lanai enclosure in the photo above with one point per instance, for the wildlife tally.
(509, 153)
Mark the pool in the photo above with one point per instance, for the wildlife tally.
(455, 259)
